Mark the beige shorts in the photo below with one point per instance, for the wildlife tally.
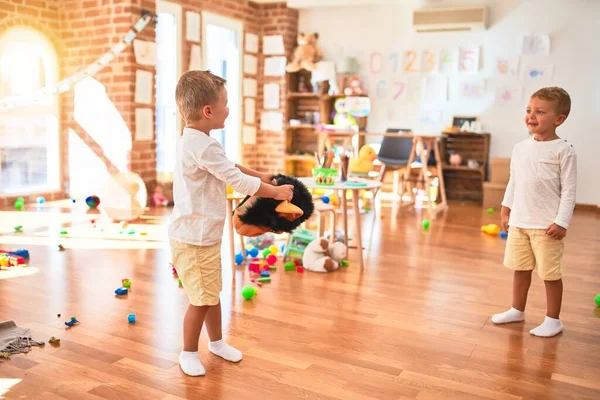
(199, 268)
(529, 249)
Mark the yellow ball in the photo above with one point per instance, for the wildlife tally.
(229, 190)
(274, 249)
(3, 261)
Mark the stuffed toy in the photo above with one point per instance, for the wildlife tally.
(355, 87)
(364, 163)
(321, 256)
(306, 55)
(255, 216)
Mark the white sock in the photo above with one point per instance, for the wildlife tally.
(223, 350)
(190, 363)
(550, 327)
(512, 315)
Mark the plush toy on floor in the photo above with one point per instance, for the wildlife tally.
(256, 216)
(321, 256)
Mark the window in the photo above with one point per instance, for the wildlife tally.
(29, 135)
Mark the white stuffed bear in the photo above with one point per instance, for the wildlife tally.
(320, 256)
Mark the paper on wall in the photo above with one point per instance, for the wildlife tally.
(249, 111)
(144, 124)
(535, 45)
(469, 59)
(275, 66)
(192, 26)
(472, 88)
(195, 58)
(143, 87)
(251, 43)
(507, 65)
(145, 52)
(250, 64)
(249, 89)
(436, 89)
(273, 45)
(539, 72)
(449, 61)
(271, 121)
(508, 94)
(271, 96)
(248, 134)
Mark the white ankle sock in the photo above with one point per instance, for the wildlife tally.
(550, 327)
(512, 315)
(223, 350)
(190, 363)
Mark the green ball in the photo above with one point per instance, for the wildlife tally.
(248, 292)
(597, 299)
(18, 206)
(266, 252)
(490, 210)
(426, 224)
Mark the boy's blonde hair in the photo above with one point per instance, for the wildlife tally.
(558, 95)
(195, 90)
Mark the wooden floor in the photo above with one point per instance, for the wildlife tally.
(413, 325)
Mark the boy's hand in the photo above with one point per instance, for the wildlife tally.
(284, 192)
(556, 232)
(267, 178)
(504, 217)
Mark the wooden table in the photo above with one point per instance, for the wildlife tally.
(344, 187)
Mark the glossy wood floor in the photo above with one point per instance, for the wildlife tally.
(413, 325)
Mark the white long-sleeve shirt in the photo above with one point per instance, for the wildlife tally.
(202, 173)
(542, 185)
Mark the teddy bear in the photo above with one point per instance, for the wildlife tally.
(321, 256)
(306, 55)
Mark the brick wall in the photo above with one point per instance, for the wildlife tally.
(83, 30)
(276, 19)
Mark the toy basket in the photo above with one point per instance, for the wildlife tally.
(324, 176)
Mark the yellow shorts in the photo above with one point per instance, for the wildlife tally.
(529, 249)
(199, 268)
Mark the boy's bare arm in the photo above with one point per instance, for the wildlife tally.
(264, 177)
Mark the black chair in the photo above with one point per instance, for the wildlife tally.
(394, 151)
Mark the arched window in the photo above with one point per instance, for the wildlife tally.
(29, 135)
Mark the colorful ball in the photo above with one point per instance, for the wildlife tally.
(426, 224)
(239, 258)
(131, 318)
(597, 299)
(325, 199)
(274, 249)
(40, 200)
(248, 292)
(503, 235)
(92, 201)
(254, 252)
(271, 259)
(490, 210)
(19, 205)
(266, 252)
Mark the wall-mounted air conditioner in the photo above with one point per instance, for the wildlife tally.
(450, 19)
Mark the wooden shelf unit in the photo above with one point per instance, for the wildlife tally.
(464, 183)
(311, 108)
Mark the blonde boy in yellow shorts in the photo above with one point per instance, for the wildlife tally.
(538, 206)
(202, 173)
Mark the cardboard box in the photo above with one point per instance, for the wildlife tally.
(493, 193)
(499, 170)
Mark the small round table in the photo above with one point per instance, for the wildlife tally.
(354, 185)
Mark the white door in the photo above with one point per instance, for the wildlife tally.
(222, 39)
(168, 71)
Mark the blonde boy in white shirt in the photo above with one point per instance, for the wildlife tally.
(202, 173)
(538, 206)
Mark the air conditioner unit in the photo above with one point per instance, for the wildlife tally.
(450, 19)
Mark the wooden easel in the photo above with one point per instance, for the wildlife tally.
(423, 145)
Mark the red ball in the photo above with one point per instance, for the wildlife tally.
(271, 259)
(266, 268)
(300, 269)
